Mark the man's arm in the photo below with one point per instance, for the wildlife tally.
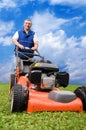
(35, 43)
(15, 40)
(35, 46)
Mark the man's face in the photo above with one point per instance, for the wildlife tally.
(27, 25)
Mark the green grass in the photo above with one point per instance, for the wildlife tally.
(39, 120)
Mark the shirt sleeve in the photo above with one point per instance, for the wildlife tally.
(15, 36)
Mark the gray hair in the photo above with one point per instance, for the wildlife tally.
(27, 20)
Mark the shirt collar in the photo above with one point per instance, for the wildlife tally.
(28, 32)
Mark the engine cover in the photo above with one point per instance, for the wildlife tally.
(62, 78)
(47, 82)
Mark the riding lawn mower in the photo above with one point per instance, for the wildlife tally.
(35, 87)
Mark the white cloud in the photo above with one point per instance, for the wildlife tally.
(6, 28)
(57, 47)
(69, 52)
(68, 2)
(83, 38)
(5, 32)
(7, 4)
(45, 22)
(82, 24)
(77, 70)
(6, 41)
(53, 40)
(6, 69)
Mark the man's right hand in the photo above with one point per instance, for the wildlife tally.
(17, 44)
(21, 46)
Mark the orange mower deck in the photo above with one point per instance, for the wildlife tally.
(39, 101)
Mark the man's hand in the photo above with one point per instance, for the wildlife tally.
(21, 46)
(33, 48)
(17, 44)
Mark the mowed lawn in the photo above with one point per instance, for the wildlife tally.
(39, 120)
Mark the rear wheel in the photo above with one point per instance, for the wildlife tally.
(19, 98)
(12, 82)
(81, 93)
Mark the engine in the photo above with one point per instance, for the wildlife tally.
(47, 76)
(47, 82)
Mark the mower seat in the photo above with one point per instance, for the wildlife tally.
(62, 96)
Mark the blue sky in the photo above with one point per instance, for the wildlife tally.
(61, 29)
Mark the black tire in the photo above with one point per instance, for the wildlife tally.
(81, 93)
(12, 80)
(19, 98)
(12, 83)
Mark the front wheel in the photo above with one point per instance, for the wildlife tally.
(81, 93)
(19, 98)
